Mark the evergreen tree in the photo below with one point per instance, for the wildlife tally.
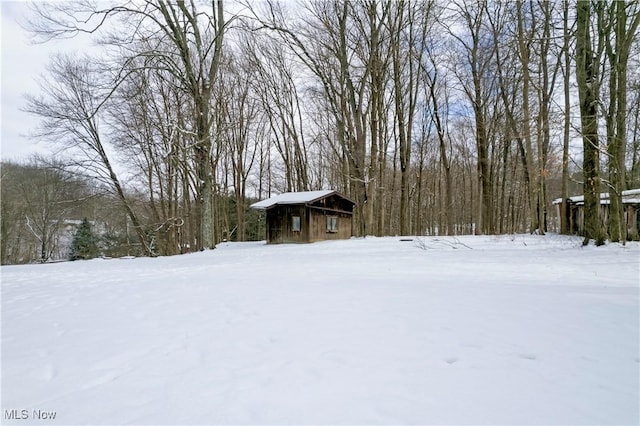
(85, 243)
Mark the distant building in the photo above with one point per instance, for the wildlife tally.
(575, 212)
(304, 217)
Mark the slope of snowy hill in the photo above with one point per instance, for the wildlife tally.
(468, 330)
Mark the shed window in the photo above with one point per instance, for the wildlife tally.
(332, 223)
(295, 223)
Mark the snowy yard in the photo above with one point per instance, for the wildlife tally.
(473, 330)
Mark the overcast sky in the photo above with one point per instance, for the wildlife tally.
(22, 63)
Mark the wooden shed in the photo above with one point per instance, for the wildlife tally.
(575, 212)
(308, 216)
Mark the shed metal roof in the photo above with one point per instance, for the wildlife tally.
(293, 198)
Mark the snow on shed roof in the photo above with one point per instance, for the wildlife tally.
(292, 198)
(627, 197)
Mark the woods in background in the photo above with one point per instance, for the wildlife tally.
(434, 117)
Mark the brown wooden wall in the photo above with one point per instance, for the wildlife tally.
(313, 222)
(279, 221)
(334, 202)
(576, 219)
(318, 226)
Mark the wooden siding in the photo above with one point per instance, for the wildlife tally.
(313, 221)
(575, 216)
(334, 204)
(318, 226)
(280, 221)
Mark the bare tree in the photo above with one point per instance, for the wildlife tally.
(407, 28)
(196, 39)
(550, 60)
(587, 65)
(326, 44)
(566, 69)
(633, 147)
(430, 125)
(274, 79)
(621, 20)
(238, 106)
(69, 111)
(148, 132)
(477, 55)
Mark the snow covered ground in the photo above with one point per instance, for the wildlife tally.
(468, 330)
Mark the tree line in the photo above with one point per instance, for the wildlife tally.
(51, 214)
(434, 117)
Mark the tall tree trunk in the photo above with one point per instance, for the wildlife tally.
(587, 78)
(532, 187)
(546, 87)
(618, 55)
(484, 220)
(564, 213)
(402, 93)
